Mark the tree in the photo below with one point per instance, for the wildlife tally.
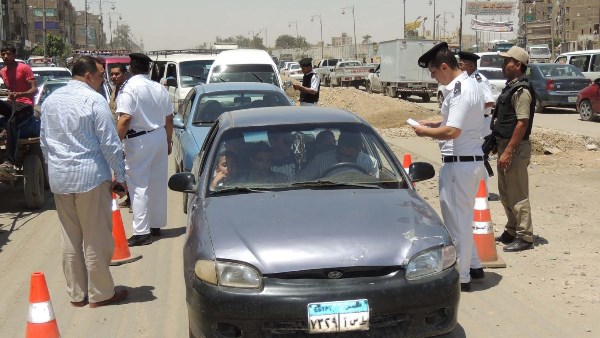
(123, 38)
(288, 41)
(57, 48)
(366, 38)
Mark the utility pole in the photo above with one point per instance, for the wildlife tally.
(86, 25)
(404, 20)
(460, 27)
(44, 28)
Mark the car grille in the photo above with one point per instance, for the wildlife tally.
(379, 326)
(333, 273)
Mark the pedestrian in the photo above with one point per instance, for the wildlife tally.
(17, 119)
(459, 135)
(118, 76)
(512, 127)
(146, 127)
(81, 146)
(310, 86)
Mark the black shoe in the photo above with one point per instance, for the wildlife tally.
(505, 238)
(518, 245)
(465, 287)
(155, 231)
(137, 240)
(477, 273)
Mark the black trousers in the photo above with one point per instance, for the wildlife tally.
(14, 116)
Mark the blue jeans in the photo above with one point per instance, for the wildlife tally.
(26, 129)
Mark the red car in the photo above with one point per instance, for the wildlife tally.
(588, 101)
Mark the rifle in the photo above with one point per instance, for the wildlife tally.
(489, 145)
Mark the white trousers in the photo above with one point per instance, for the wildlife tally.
(308, 104)
(458, 186)
(146, 164)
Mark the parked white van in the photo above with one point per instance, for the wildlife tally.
(179, 73)
(588, 61)
(244, 65)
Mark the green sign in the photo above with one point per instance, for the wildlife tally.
(529, 18)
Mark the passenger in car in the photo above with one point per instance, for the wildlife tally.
(226, 171)
(260, 163)
(325, 141)
(283, 158)
(348, 151)
(236, 143)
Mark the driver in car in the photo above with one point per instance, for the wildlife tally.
(346, 156)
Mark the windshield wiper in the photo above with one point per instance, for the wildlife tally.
(238, 190)
(201, 122)
(332, 184)
(258, 77)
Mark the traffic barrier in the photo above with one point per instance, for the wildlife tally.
(41, 322)
(121, 254)
(483, 232)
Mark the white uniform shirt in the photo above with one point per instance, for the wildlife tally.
(146, 101)
(487, 97)
(462, 109)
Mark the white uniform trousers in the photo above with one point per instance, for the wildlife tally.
(146, 164)
(308, 104)
(458, 186)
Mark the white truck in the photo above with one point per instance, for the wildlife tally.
(347, 73)
(399, 73)
(539, 53)
(324, 67)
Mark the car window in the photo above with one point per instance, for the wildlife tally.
(211, 105)
(284, 157)
(553, 69)
(492, 75)
(580, 61)
(187, 107)
(561, 59)
(194, 72)
(245, 73)
(43, 75)
(492, 60)
(48, 89)
(595, 63)
(171, 71)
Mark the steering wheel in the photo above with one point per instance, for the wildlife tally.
(351, 165)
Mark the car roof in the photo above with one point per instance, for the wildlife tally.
(291, 115)
(34, 69)
(182, 57)
(486, 53)
(491, 69)
(227, 86)
(580, 52)
(58, 80)
(114, 59)
(243, 56)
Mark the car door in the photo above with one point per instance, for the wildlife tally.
(594, 71)
(595, 98)
(376, 83)
(183, 138)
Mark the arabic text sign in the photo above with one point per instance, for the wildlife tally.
(505, 26)
(490, 8)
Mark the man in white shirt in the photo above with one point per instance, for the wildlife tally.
(310, 86)
(146, 127)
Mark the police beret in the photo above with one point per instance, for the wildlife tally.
(468, 56)
(428, 56)
(305, 62)
(139, 57)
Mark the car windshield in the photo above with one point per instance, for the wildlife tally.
(194, 72)
(245, 73)
(492, 74)
(48, 89)
(316, 156)
(550, 70)
(539, 51)
(212, 105)
(43, 75)
(491, 60)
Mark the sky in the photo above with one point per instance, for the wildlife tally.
(181, 24)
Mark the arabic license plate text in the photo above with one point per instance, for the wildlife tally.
(572, 99)
(350, 315)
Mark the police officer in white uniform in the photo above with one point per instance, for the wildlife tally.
(468, 63)
(459, 135)
(146, 127)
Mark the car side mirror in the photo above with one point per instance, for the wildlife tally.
(171, 82)
(421, 171)
(182, 182)
(597, 81)
(178, 122)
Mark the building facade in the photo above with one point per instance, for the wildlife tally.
(96, 38)
(343, 40)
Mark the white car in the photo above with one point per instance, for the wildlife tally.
(47, 73)
(494, 76)
(294, 71)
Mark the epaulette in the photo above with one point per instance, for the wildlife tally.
(478, 77)
(457, 88)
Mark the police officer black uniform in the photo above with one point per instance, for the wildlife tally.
(310, 87)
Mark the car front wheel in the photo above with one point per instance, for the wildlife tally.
(539, 108)
(586, 112)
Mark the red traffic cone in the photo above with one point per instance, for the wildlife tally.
(121, 255)
(41, 322)
(406, 162)
(483, 233)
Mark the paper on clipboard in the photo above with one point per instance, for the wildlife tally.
(413, 122)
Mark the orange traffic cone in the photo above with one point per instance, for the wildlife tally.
(41, 322)
(407, 161)
(121, 255)
(483, 233)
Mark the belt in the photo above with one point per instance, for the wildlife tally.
(449, 159)
(133, 133)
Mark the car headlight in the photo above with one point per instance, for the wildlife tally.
(431, 262)
(235, 275)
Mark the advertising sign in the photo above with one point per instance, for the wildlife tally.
(502, 27)
(490, 8)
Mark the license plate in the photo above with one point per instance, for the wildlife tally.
(349, 315)
(572, 99)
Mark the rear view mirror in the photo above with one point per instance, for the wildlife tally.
(421, 171)
(182, 182)
(171, 82)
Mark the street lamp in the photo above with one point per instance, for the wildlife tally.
(295, 22)
(424, 20)
(321, 23)
(354, 23)
(434, 16)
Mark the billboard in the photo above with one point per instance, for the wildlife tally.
(490, 8)
(501, 26)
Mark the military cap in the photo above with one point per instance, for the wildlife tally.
(516, 53)
(468, 56)
(305, 62)
(139, 57)
(428, 56)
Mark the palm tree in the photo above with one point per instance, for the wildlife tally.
(366, 38)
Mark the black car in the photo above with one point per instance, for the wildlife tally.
(329, 238)
(556, 85)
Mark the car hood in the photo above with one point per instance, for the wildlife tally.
(303, 229)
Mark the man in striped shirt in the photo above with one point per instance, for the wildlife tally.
(81, 145)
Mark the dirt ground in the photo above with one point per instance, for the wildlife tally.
(563, 271)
